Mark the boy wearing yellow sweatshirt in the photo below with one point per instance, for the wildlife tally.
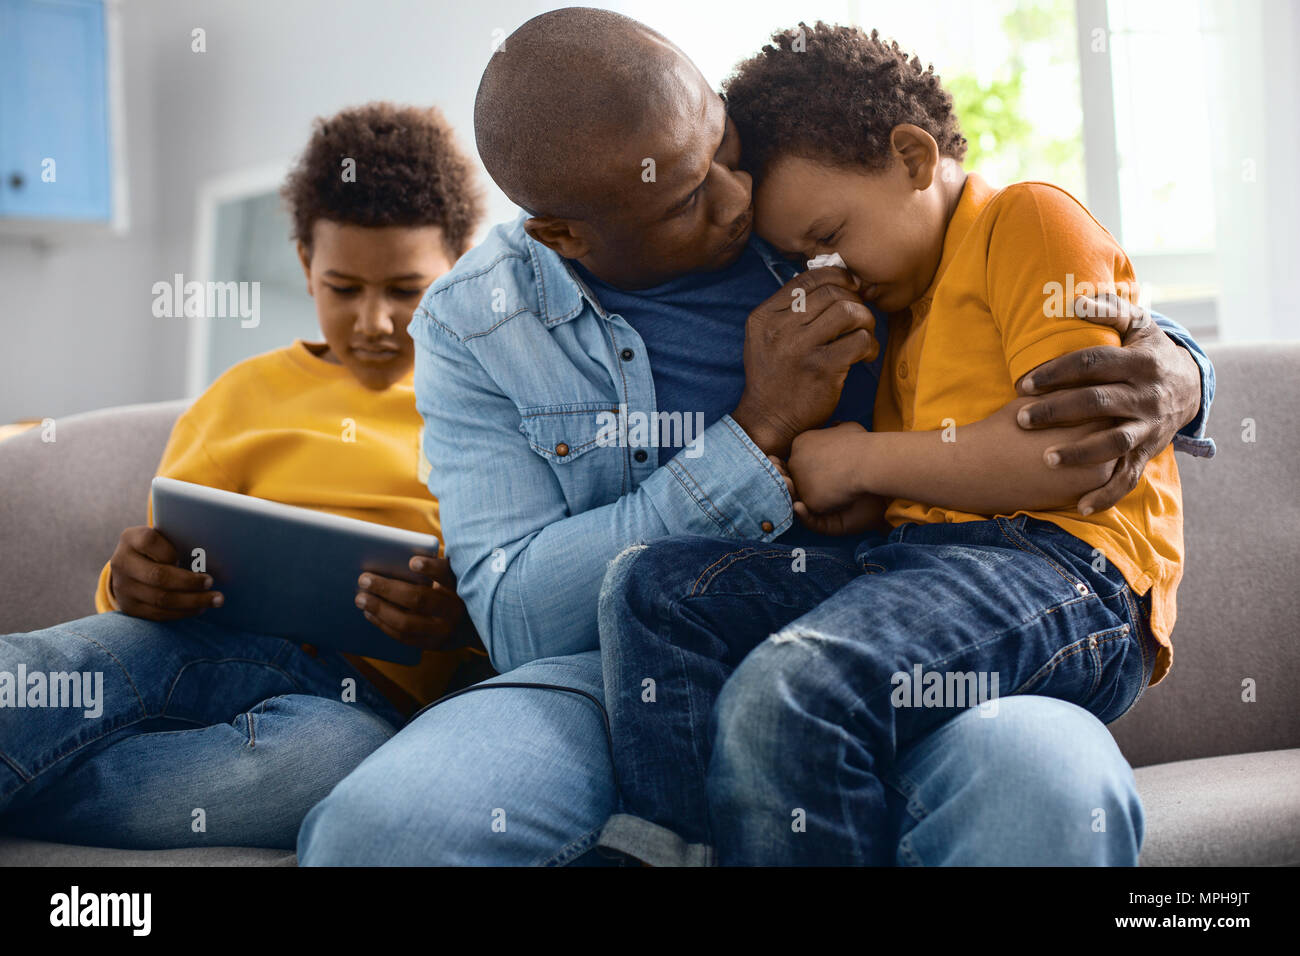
(193, 734)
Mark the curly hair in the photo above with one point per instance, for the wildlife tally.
(408, 171)
(834, 93)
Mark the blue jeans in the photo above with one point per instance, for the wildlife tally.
(198, 735)
(792, 765)
(522, 776)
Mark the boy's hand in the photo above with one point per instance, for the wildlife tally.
(824, 464)
(866, 512)
(1149, 385)
(430, 616)
(799, 346)
(145, 581)
(785, 475)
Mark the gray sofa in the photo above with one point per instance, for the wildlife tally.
(1219, 776)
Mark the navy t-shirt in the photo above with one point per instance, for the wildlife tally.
(693, 328)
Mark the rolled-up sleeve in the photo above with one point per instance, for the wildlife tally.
(1192, 438)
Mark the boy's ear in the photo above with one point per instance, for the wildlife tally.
(918, 152)
(304, 256)
(559, 234)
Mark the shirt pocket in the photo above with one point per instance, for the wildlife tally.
(580, 441)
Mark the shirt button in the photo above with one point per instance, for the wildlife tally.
(561, 449)
(922, 308)
(627, 355)
(902, 370)
(640, 455)
(767, 527)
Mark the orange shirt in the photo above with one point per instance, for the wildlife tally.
(292, 427)
(1001, 304)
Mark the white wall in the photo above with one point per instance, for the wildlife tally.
(77, 328)
(1254, 79)
(78, 332)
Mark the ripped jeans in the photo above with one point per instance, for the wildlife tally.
(759, 696)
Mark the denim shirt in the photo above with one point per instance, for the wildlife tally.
(517, 372)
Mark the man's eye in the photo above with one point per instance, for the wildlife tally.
(343, 289)
(407, 293)
(827, 240)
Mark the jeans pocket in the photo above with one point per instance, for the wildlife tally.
(1017, 530)
(1080, 672)
(1139, 611)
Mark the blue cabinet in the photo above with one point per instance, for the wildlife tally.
(55, 159)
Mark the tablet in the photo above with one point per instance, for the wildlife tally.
(287, 571)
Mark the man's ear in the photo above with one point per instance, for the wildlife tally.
(918, 151)
(565, 236)
(304, 256)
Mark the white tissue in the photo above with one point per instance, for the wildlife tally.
(832, 259)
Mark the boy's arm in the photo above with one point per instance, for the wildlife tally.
(997, 466)
(186, 459)
(528, 565)
(990, 467)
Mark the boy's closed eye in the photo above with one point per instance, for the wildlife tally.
(353, 290)
(826, 241)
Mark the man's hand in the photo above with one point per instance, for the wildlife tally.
(799, 346)
(145, 581)
(1149, 387)
(430, 616)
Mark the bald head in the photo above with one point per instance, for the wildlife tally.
(565, 101)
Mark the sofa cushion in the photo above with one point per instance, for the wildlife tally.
(15, 851)
(1239, 810)
(65, 504)
(1237, 600)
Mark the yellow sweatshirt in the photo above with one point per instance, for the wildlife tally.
(290, 426)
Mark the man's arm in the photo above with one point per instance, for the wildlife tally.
(1191, 438)
(1156, 388)
(528, 569)
(988, 467)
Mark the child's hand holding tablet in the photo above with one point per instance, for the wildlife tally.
(429, 615)
(295, 573)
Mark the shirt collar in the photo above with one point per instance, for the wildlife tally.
(561, 291)
(975, 195)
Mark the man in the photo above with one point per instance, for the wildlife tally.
(632, 286)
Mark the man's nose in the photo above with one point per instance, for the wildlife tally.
(735, 188)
